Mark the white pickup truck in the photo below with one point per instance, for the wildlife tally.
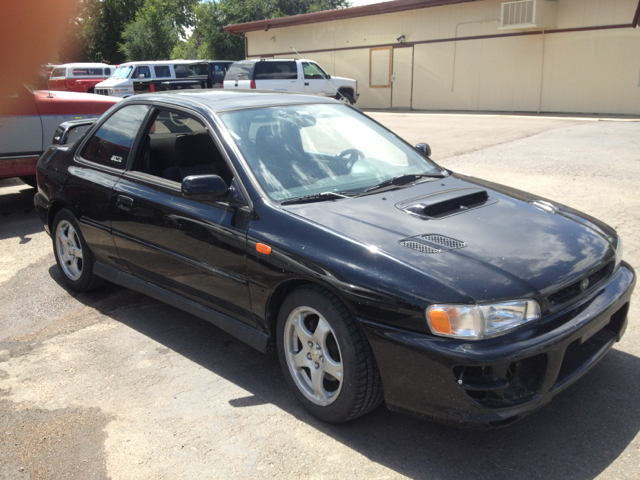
(290, 75)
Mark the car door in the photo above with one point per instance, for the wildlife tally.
(195, 248)
(99, 163)
(316, 80)
(20, 125)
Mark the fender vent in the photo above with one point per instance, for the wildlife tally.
(446, 242)
(432, 243)
(421, 247)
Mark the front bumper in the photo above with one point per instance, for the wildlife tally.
(496, 381)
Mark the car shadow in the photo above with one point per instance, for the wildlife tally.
(16, 208)
(577, 436)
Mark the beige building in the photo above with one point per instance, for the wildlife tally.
(578, 56)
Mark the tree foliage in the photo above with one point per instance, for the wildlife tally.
(113, 31)
(152, 35)
(212, 16)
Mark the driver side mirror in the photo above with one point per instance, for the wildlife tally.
(141, 75)
(211, 187)
(424, 148)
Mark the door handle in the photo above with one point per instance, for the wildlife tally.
(124, 203)
(306, 83)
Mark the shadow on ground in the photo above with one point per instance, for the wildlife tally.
(577, 436)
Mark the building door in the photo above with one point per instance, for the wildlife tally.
(401, 77)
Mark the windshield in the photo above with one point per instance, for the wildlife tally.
(122, 72)
(304, 150)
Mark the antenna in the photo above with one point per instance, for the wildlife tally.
(320, 73)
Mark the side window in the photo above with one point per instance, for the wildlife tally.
(177, 146)
(162, 71)
(111, 143)
(313, 72)
(142, 71)
(107, 71)
(182, 71)
(274, 70)
(58, 72)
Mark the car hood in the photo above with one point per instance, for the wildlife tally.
(343, 81)
(114, 83)
(511, 247)
(72, 103)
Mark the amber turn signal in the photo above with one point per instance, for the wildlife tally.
(262, 248)
(439, 321)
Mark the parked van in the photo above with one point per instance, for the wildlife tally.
(290, 75)
(79, 77)
(121, 83)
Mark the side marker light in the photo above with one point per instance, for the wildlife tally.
(262, 248)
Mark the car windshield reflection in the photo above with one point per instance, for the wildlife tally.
(297, 151)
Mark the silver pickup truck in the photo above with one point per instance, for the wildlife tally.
(290, 75)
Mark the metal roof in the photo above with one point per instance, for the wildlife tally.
(340, 14)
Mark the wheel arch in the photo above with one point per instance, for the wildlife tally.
(277, 297)
(54, 208)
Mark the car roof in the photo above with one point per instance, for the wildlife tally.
(162, 62)
(83, 65)
(225, 100)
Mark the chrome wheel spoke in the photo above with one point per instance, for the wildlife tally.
(317, 377)
(303, 334)
(308, 358)
(69, 250)
(333, 368)
(300, 359)
(322, 330)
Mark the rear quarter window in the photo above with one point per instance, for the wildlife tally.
(276, 71)
(240, 71)
(59, 72)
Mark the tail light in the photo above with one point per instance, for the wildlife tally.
(253, 84)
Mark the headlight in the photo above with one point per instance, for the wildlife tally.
(475, 322)
(618, 253)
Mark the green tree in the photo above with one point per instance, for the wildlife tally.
(211, 16)
(95, 30)
(156, 29)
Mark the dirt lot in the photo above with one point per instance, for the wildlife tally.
(113, 384)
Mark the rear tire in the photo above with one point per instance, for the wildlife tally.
(326, 357)
(72, 253)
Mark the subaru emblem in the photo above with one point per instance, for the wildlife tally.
(584, 284)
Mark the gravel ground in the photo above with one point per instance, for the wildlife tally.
(112, 384)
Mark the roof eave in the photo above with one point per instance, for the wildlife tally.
(340, 14)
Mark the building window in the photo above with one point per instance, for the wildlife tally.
(380, 67)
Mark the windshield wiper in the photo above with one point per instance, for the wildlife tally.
(403, 180)
(316, 197)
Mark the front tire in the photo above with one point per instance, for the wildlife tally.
(325, 356)
(72, 253)
(346, 97)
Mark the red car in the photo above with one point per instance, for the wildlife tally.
(28, 120)
(79, 77)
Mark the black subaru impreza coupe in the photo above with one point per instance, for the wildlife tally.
(298, 223)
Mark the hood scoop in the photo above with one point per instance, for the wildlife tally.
(445, 204)
(432, 243)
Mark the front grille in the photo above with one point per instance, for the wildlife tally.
(103, 91)
(446, 242)
(572, 291)
(421, 247)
